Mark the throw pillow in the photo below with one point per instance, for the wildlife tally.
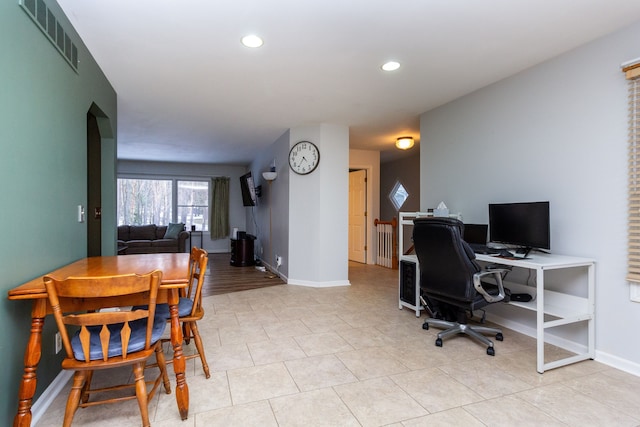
(173, 230)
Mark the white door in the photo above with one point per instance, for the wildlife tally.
(358, 216)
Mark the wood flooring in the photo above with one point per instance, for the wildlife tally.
(223, 278)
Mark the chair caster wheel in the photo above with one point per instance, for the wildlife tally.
(499, 336)
(425, 326)
(491, 351)
(438, 342)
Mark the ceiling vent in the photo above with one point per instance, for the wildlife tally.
(51, 27)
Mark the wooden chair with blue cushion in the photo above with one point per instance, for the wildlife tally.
(108, 337)
(190, 306)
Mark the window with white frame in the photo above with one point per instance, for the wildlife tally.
(161, 201)
(193, 204)
(398, 195)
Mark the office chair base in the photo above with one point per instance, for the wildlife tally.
(455, 328)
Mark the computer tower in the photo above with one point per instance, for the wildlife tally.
(408, 281)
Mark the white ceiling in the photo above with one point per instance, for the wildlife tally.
(189, 91)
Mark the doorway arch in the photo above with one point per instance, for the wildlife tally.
(101, 184)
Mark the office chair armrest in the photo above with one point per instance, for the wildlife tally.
(497, 275)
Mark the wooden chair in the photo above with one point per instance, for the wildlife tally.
(105, 339)
(190, 306)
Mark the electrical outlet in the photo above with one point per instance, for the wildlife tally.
(58, 340)
(278, 260)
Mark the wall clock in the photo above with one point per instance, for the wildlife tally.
(304, 157)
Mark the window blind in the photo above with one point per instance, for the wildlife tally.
(632, 72)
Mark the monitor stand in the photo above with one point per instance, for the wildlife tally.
(521, 252)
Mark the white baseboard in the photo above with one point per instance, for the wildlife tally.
(41, 405)
(311, 284)
(618, 363)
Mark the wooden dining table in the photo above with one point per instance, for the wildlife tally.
(174, 267)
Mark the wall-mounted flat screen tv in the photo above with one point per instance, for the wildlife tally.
(248, 190)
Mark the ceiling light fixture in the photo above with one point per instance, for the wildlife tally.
(404, 142)
(390, 66)
(252, 41)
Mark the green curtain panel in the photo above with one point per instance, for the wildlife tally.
(219, 208)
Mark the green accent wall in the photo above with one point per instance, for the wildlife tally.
(43, 175)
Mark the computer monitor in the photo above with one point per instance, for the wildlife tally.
(475, 233)
(525, 225)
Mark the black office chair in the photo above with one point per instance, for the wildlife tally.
(451, 281)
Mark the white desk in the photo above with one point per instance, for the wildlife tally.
(564, 308)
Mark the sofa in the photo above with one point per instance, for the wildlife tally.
(149, 239)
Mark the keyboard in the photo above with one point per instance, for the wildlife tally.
(479, 248)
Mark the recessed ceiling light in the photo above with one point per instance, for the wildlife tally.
(252, 41)
(391, 66)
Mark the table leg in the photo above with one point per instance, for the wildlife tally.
(31, 359)
(182, 389)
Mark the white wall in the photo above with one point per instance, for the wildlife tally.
(318, 210)
(555, 132)
(275, 197)
(370, 161)
(237, 217)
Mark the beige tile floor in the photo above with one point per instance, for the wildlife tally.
(295, 356)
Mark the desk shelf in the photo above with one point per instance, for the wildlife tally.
(556, 304)
(564, 308)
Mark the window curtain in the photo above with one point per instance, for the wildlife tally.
(219, 221)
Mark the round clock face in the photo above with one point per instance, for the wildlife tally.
(304, 157)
